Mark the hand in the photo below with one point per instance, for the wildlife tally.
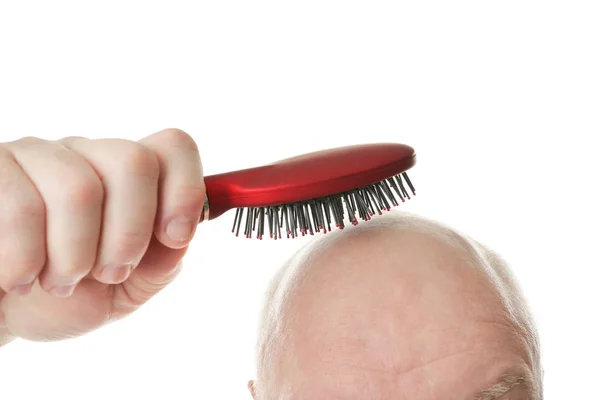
(84, 234)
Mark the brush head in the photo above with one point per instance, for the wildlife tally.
(305, 190)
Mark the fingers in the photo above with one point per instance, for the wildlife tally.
(181, 192)
(22, 228)
(72, 195)
(129, 172)
(79, 207)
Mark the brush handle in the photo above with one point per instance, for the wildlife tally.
(305, 177)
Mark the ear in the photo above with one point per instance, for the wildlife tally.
(252, 389)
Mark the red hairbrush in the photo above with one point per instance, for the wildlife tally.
(306, 191)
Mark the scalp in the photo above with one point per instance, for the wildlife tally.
(350, 295)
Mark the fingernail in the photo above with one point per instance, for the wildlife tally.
(62, 290)
(22, 290)
(114, 273)
(180, 229)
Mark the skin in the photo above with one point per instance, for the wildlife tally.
(397, 308)
(85, 234)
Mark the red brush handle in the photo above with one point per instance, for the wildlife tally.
(305, 177)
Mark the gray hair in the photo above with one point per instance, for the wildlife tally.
(506, 384)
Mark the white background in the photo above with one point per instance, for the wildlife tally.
(501, 100)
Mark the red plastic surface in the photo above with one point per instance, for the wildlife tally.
(307, 176)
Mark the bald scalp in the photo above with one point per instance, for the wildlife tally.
(397, 297)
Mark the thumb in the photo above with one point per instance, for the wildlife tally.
(159, 267)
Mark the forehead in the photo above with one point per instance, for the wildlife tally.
(458, 380)
(427, 365)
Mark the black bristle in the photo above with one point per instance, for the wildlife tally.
(338, 209)
(321, 207)
(261, 223)
(326, 206)
(394, 186)
(318, 214)
(410, 185)
(363, 211)
(315, 217)
(255, 219)
(375, 199)
(280, 225)
(365, 196)
(350, 209)
(353, 203)
(335, 213)
(239, 221)
(389, 193)
(237, 214)
(272, 212)
(308, 219)
(281, 218)
(404, 192)
(287, 220)
(381, 194)
(293, 222)
(299, 212)
(249, 219)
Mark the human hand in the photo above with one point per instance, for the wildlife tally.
(83, 228)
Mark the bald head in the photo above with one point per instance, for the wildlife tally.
(397, 308)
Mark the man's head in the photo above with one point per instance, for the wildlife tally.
(397, 308)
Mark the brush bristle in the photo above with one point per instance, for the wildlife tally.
(319, 214)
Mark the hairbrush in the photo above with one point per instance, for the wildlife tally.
(308, 193)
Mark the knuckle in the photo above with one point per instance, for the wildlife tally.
(68, 140)
(84, 190)
(22, 213)
(29, 140)
(24, 142)
(138, 159)
(23, 204)
(82, 187)
(178, 138)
